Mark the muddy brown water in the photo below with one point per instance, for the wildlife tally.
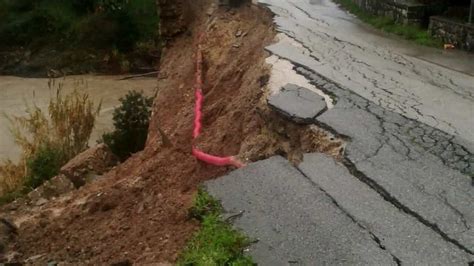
(16, 92)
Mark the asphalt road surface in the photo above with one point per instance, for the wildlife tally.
(403, 194)
(433, 86)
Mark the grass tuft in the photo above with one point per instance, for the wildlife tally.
(410, 32)
(216, 243)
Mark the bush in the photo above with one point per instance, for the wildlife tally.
(43, 165)
(131, 120)
(117, 29)
(47, 141)
(78, 23)
(84, 6)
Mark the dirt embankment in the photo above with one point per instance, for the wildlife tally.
(138, 212)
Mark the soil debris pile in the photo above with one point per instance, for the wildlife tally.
(138, 212)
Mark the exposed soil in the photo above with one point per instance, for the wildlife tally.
(138, 212)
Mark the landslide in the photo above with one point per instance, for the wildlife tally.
(138, 212)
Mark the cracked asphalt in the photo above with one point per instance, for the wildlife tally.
(405, 184)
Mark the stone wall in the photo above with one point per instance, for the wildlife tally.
(172, 17)
(452, 32)
(403, 11)
(233, 3)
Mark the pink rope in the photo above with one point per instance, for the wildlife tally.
(197, 113)
(200, 155)
(215, 160)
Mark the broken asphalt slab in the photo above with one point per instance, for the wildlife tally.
(409, 157)
(420, 169)
(410, 164)
(298, 104)
(293, 220)
(323, 218)
(410, 241)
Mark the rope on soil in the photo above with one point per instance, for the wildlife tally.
(200, 155)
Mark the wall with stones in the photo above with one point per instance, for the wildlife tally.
(452, 32)
(233, 3)
(403, 11)
(172, 17)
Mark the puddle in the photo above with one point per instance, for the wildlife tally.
(282, 73)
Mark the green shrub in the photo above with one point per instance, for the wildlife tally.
(84, 6)
(127, 33)
(48, 139)
(77, 23)
(131, 120)
(44, 165)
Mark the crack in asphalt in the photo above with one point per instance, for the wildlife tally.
(309, 15)
(398, 143)
(463, 218)
(395, 202)
(432, 140)
(401, 88)
(412, 126)
(374, 237)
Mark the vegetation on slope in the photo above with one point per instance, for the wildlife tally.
(81, 35)
(216, 243)
(47, 140)
(131, 121)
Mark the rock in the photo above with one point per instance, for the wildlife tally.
(210, 11)
(34, 258)
(57, 185)
(8, 232)
(92, 162)
(54, 187)
(174, 21)
(41, 202)
(122, 263)
(238, 33)
(13, 258)
(297, 103)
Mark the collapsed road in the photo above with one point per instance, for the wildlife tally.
(403, 192)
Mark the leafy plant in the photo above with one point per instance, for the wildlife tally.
(131, 120)
(48, 140)
(76, 23)
(43, 165)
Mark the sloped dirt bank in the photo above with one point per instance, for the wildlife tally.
(137, 213)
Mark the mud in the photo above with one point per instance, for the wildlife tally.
(137, 213)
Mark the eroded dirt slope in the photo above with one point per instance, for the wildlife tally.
(137, 213)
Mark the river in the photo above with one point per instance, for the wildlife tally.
(16, 92)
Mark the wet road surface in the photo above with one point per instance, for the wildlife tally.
(429, 85)
(407, 114)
